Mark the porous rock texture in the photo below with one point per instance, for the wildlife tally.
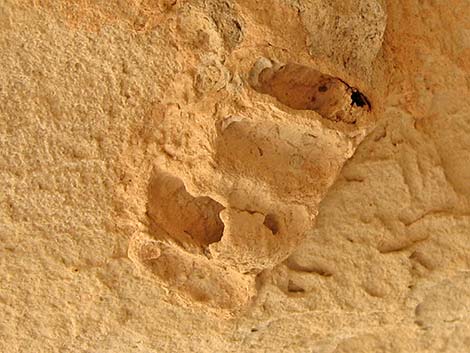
(234, 176)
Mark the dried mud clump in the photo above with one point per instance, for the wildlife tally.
(251, 142)
(268, 175)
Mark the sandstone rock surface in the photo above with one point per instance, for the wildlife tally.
(234, 176)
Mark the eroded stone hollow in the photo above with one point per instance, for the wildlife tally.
(303, 88)
(185, 218)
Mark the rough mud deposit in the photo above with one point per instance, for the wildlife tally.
(234, 176)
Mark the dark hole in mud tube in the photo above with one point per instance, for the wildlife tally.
(359, 100)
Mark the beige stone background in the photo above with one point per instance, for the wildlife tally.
(94, 94)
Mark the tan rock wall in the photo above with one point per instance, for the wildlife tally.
(234, 176)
